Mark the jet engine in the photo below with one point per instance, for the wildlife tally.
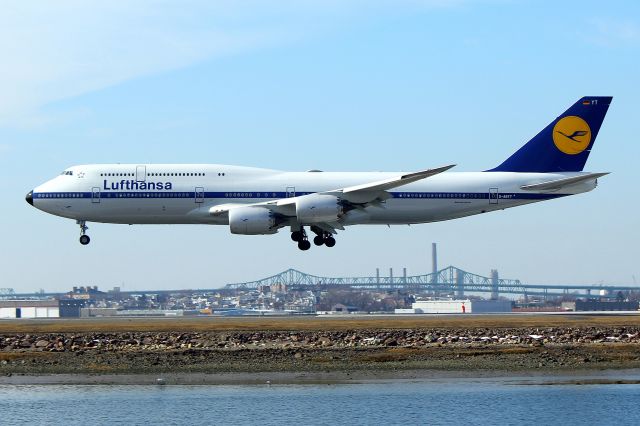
(317, 208)
(252, 221)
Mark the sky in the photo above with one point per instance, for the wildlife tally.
(345, 85)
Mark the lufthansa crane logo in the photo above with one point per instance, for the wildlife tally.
(571, 135)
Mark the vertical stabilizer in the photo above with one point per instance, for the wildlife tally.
(565, 144)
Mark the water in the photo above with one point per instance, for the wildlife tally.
(434, 402)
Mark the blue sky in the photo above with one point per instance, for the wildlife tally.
(333, 85)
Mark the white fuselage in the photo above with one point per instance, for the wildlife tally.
(174, 193)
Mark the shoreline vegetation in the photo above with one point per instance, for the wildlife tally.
(313, 349)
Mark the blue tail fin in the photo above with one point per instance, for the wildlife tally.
(565, 144)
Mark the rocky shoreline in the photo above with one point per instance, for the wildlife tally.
(437, 348)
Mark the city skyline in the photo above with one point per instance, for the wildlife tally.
(393, 86)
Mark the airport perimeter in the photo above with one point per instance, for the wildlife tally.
(207, 349)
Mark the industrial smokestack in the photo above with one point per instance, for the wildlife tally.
(495, 281)
(459, 283)
(434, 258)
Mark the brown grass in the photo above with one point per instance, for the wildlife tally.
(103, 368)
(516, 350)
(11, 356)
(330, 323)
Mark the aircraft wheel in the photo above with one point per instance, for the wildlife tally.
(304, 245)
(330, 241)
(318, 240)
(296, 235)
(84, 240)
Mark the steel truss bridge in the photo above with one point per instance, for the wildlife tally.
(451, 280)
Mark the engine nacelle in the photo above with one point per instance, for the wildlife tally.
(317, 208)
(252, 221)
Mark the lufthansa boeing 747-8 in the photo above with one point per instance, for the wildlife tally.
(254, 201)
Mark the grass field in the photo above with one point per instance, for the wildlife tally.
(333, 323)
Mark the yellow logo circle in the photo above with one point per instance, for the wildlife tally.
(571, 135)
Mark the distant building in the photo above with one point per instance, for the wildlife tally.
(339, 307)
(98, 312)
(457, 307)
(596, 305)
(29, 309)
(86, 293)
(278, 288)
(70, 308)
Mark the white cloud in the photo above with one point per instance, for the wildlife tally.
(613, 33)
(60, 49)
(51, 51)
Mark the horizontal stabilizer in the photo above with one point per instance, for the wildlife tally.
(554, 185)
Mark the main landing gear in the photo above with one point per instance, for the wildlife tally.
(301, 237)
(322, 237)
(84, 238)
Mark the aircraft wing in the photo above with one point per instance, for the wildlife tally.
(367, 192)
(384, 185)
(358, 195)
(557, 184)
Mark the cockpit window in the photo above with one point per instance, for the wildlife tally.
(67, 173)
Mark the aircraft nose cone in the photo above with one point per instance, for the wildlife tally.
(29, 197)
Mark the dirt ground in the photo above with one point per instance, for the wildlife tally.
(339, 344)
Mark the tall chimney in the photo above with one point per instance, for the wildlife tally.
(495, 281)
(434, 258)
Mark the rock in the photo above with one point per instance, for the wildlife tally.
(324, 341)
(42, 343)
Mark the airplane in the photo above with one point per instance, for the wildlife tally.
(254, 201)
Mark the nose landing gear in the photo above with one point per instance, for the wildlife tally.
(84, 239)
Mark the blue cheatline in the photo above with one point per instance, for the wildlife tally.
(278, 195)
